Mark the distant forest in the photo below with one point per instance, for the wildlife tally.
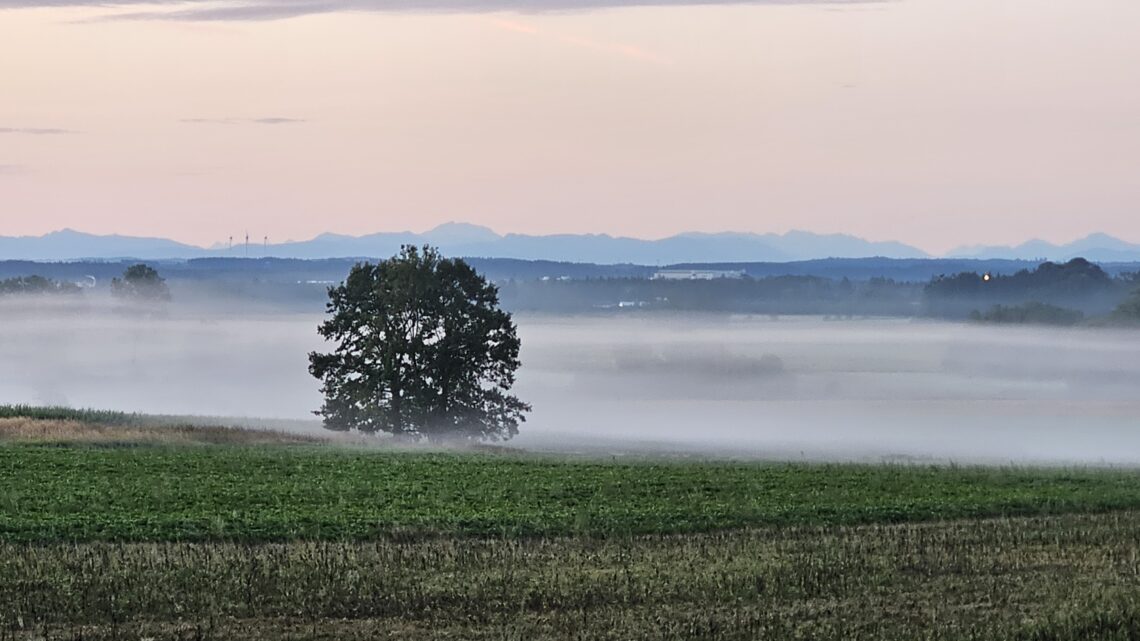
(1077, 285)
(986, 291)
(767, 295)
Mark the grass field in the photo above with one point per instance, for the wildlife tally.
(169, 493)
(133, 534)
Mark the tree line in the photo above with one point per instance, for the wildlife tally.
(1053, 293)
(139, 283)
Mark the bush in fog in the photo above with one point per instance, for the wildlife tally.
(36, 285)
(770, 364)
(140, 283)
(1128, 311)
(1030, 313)
(422, 350)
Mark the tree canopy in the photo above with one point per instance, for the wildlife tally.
(141, 283)
(1077, 284)
(37, 285)
(422, 349)
(1128, 311)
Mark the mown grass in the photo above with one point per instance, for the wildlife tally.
(1065, 578)
(244, 493)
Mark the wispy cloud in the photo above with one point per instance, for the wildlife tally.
(36, 131)
(243, 121)
(12, 170)
(278, 121)
(204, 10)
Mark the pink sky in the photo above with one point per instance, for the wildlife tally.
(935, 122)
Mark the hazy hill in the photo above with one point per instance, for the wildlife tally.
(475, 241)
(1095, 247)
(68, 244)
(461, 239)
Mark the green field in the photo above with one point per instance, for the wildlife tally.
(195, 533)
(156, 493)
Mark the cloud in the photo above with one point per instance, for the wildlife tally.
(205, 10)
(277, 121)
(35, 131)
(12, 170)
(242, 121)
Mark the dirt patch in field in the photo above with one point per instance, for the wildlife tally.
(28, 430)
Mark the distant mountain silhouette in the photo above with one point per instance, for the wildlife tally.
(461, 239)
(1100, 248)
(68, 244)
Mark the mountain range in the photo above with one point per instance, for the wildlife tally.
(1100, 248)
(461, 239)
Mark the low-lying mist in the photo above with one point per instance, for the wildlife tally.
(786, 388)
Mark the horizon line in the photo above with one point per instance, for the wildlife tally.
(501, 235)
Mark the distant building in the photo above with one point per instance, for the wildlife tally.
(698, 274)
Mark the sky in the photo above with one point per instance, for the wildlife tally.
(938, 123)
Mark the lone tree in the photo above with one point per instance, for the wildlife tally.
(422, 350)
(140, 283)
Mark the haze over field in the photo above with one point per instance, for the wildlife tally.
(611, 132)
(740, 386)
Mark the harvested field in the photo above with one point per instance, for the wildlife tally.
(1056, 578)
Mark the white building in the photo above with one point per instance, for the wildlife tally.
(698, 274)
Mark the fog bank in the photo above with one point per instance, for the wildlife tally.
(791, 388)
